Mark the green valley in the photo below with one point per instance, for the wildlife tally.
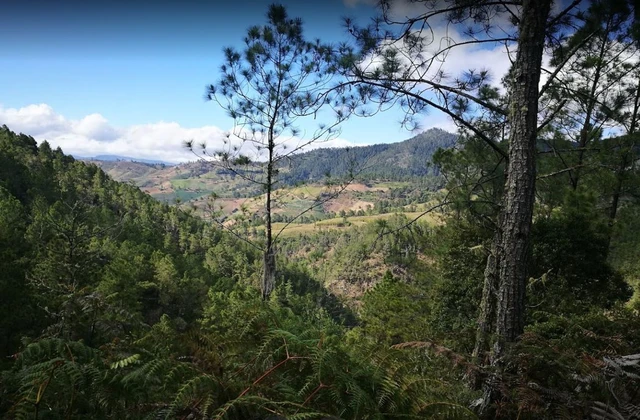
(380, 178)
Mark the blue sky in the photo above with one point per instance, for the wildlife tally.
(128, 77)
(131, 63)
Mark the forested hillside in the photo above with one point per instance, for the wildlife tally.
(91, 267)
(391, 161)
(78, 246)
(115, 305)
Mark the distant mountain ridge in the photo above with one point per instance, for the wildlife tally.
(408, 162)
(392, 161)
(116, 158)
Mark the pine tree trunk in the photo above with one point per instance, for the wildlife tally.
(269, 263)
(517, 211)
(520, 186)
(269, 266)
(269, 274)
(487, 311)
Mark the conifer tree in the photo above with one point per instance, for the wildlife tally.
(278, 78)
(402, 60)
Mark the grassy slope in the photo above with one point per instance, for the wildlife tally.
(338, 223)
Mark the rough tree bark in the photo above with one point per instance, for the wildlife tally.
(520, 186)
(517, 211)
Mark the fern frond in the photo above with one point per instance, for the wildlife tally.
(122, 363)
(446, 410)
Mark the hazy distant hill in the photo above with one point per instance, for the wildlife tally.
(118, 158)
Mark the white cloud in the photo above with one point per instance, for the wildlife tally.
(439, 120)
(39, 119)
(94, 135)
(444, 65)
(97, 127)
(445, 53)
(445, 50)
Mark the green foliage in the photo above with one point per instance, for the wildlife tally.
(455, 297)
(394, 312)
(125, 327)
(17, 312)
(565, 366)
(58, 377)
(474, 178)
(278, 362)
(409, 159)
(81, 251)
(570, 251)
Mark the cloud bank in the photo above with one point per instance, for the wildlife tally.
(94, 135)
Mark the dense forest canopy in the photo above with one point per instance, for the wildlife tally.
(390, 161)
(511, 292)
